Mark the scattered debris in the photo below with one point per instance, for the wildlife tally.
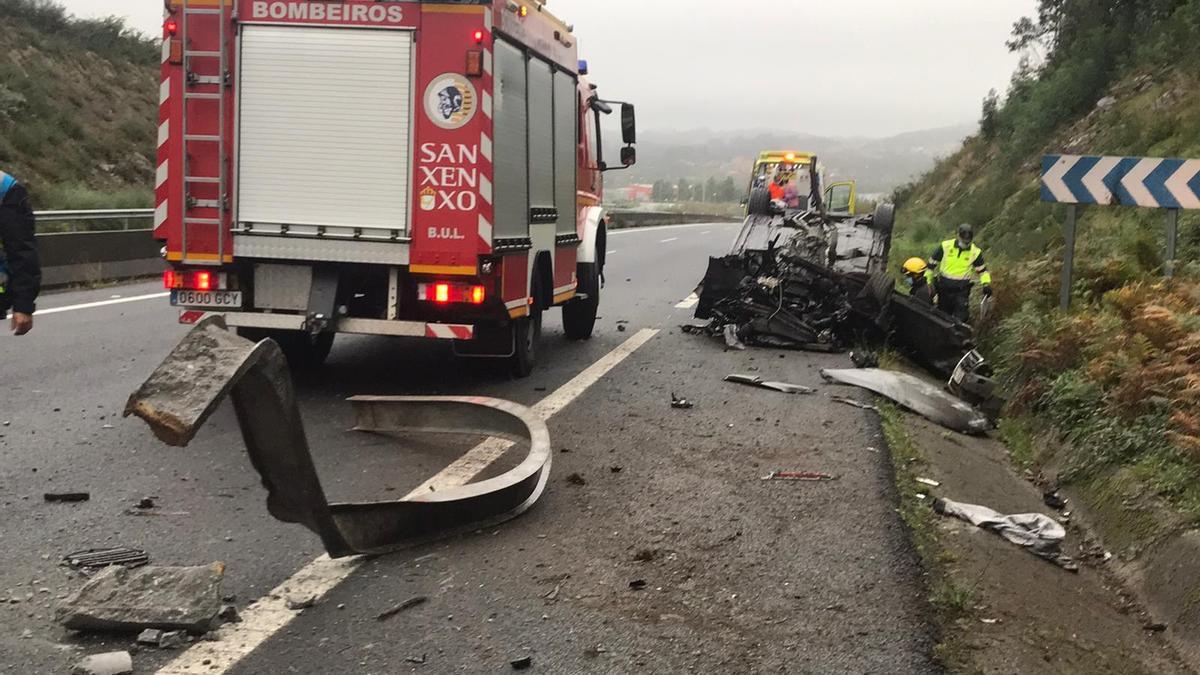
(813, 476)
(417, 659)
(229, 614)
(1038, 533)
(145, 503)
(150, 636)
(112, 663)
(862, 359)
(123, 599)
(990, 622)
(172, 640)
(621, 328)
(402, 607)
(637, 584)
(553, 594)
(783, 387)
(929, 481)
(298, 603)
(852, 402)
(523, 663)
(1054, 500)
(576, 479)
(917, 395)
(646, 555)
(616, 469)
(1155, 627)
(681, 403)
(104, 557)
(67, 497)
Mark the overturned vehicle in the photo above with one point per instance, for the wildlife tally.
(813, 278)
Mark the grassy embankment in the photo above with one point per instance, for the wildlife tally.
(1106, 395)
(78, 107)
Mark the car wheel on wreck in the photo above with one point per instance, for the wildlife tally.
(760, 202)
(885, 217)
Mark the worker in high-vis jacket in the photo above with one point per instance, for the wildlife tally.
(953, 267)
(20, 271)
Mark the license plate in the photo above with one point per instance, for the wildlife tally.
(207, 299)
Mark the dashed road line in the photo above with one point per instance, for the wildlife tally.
(689, 302)
(667, 241)
(269, 615)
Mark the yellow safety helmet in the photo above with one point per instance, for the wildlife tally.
(915, 266)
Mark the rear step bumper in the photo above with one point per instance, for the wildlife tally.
(418, 329)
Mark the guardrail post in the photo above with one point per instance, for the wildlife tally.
(1172, 240)
(1068, 271)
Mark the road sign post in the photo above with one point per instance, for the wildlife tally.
(1148, 182)
(1068, 271)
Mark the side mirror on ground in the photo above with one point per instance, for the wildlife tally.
(628, 124)
(628, 155)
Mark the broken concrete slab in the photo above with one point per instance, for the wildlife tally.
(168, 598)
(112, 663)
(917, 395)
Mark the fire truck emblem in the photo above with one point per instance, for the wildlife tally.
(428, 199)
(451, 101)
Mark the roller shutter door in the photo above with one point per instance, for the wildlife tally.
(324, 128)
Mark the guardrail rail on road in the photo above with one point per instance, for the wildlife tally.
(95, 253)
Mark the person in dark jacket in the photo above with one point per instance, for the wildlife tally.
(20, 271)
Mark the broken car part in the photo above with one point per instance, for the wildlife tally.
(972, 379)
(68, 497)
(857, 404)
(112, 663)
(783, 387)
(917, 395)
(212, 362)
(681, 403)
(813, 476)
(103, 557)
(1037, 533)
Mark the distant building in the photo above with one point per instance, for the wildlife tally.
(635, 193)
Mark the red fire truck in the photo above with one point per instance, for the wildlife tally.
(405, 168)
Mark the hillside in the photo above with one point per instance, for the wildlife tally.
(78, 105)
(1107, 395)
(879, 164)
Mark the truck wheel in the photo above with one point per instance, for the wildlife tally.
(527, 332)
(301, 351)
(579, 315)
(885, 217)
(760, 202)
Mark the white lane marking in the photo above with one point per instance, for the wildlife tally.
(667, 241)
(659, 228)
(690, 302)
(267, 616)
(102, 303)
(612, 251)
(706, 232)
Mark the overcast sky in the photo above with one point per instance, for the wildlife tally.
(828, 67)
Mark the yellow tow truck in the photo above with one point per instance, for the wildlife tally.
(798, 177)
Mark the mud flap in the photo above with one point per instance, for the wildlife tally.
(212, 363)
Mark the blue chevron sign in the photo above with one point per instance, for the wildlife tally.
(1130, 181)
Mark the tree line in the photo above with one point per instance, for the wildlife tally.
(686, 190)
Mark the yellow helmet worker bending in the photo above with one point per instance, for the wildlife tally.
(952, 267)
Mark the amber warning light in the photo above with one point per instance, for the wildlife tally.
(189, 281)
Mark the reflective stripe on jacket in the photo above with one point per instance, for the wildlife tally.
(953, 263)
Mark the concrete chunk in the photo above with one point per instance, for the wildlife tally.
(112, 663)
(168, 598)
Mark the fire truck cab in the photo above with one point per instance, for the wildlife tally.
(406, 168)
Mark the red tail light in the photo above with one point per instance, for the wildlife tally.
(444, 293)
(479, 35)
(170, 279)
(203, 281)
(172, 27)
(193, 281)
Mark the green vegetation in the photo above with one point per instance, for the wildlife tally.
(950, 600)
(78, 107)
(1116, 379)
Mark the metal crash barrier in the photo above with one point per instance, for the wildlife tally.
(212, 362)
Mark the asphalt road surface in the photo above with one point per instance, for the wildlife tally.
(741, 575)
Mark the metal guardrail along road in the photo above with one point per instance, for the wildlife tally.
(87, 216)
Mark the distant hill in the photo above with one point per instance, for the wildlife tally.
(878, 164)
(78, 107)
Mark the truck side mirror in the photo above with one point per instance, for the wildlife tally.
(628, 124)
(628, 155)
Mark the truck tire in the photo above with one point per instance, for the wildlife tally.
(760, 202)
(579, 315)
(885, 217)
(302, 351)
(527, 332)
